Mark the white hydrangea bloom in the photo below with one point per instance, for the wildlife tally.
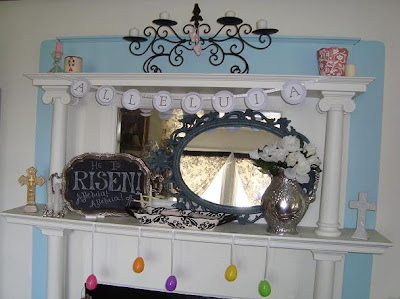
(290, 143)
(292, 159)
(254, 155)
(311, 149)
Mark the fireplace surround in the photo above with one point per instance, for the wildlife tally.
(311, 261)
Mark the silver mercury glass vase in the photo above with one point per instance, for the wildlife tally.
(284, 204)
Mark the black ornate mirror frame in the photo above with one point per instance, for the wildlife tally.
(168, 158)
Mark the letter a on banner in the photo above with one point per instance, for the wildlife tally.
(293, 92)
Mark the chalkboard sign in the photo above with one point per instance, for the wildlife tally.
(104, 184)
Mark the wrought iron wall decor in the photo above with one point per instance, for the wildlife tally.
(162, 41)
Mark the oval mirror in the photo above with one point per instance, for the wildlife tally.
(209, 162)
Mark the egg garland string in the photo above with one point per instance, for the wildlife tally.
(231, 271)
(138, 264)
(264, 288)
(171, 282)
(91, 281)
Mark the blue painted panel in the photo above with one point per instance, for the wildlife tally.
(42, 159)
(284, 56)
(365, 131)
(364, 156)
(357, 276)
(287, 55)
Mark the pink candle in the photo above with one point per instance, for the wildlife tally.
(59, 47)
(58, 52)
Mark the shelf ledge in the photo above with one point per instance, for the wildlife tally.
(245, 235)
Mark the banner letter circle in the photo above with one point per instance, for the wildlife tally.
(80, 88)
(256, 99)
(223, 101)
(162, 101)
(293, 92)
(105, 95)
(192, 103)
(131, 99)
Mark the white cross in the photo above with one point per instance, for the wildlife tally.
(362, 205)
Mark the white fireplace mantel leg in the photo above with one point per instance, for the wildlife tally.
(56, 253)
(56, 257)
(336, 104)
(325, 273)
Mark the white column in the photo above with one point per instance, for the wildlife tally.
(325, 273)
(59, 97)
(56, 253)
(56, 257)
(335, 104)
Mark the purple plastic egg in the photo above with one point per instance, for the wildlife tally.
(171, 283)
(91, 282)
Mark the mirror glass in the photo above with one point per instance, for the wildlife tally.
(215, 165)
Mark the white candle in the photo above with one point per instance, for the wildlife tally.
(230, 13)
(134, 32)
(164, 15)
(350, 70)
(262, 24)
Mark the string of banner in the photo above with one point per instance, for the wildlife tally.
(293, 92)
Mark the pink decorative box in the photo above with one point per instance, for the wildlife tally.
(332, 61)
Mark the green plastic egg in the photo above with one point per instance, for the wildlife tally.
(264, 288)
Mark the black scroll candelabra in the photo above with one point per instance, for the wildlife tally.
(163, 41)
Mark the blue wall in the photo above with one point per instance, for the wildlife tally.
(287, 55)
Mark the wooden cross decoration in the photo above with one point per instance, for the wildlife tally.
(31, 180)
(362, 205)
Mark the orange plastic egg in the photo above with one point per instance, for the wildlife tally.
(138, 265)
(231, 273)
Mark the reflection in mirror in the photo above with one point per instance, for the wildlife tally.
(215, 165)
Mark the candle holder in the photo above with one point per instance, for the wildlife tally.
(163, 42)
(56, 62)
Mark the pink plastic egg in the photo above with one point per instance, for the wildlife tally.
(171, 283)
(91, 282)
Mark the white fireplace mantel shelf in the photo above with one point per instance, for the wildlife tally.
(207, 83)
(245, 235)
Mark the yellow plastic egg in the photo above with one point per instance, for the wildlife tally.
(231, 273)
(138, 265)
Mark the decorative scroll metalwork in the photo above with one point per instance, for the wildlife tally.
(164, 42)
(168, 159)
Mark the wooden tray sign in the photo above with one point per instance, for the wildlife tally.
(104, 184)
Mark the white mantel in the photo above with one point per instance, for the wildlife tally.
(325, 250)
(328, 243)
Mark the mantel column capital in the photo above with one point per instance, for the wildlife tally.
(53, 93)
(324, 255)
(55, 232)
(337, 100)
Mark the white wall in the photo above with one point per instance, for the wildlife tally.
(25, 24)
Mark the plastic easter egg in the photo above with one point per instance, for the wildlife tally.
(91, 282)
(171, 283)
(138, 265)
(231, 273)
(264, 288)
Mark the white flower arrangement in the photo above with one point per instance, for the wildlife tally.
(290, 153)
